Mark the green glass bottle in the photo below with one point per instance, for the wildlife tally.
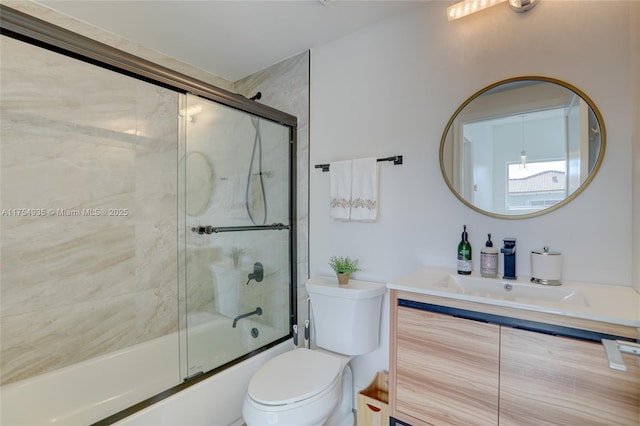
(464, 254)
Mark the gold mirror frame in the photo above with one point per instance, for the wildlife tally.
(550, 209)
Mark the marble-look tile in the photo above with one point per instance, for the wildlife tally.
(69, 268)
(226, 138)
(78, 137)
(234, 295)
(201, 282)
(64, 335)
(156, 313)
(285, 86)
(83, 286)
(156, 189)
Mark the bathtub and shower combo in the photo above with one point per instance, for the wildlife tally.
(148, 230)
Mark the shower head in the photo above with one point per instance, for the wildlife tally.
(256, 96)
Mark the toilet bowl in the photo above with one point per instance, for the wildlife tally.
(306, 387)
(300, 388)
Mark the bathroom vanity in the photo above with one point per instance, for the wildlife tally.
(478, 351)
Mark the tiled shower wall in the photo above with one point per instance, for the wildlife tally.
(88, 211)
(222, 143)
(285, 86)
(140, 285)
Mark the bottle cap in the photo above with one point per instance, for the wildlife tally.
(489, 242)
(465, 236)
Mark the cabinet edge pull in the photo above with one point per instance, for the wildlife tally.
(614, 349)
(373, 408)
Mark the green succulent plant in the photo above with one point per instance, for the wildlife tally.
(235, 254)
(343, 265)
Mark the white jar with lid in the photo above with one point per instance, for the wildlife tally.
(546, 267)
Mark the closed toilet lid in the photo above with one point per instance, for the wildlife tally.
(293, 376)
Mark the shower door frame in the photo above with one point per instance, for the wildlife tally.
(29, 29)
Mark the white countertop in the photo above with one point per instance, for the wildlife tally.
(607, 303)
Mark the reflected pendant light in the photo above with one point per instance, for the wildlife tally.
(523, 153)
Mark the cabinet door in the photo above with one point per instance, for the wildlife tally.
(446, 369)
(550, 380)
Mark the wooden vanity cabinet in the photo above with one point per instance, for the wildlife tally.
(447, 370)
(548, 379)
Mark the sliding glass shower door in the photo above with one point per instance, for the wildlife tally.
(235, 173)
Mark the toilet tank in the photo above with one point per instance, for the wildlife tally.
(346, 318)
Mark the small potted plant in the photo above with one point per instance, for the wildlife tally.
(344, 267)
(236, 254)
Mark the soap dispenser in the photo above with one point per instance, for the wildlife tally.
(464, 254)
(489, 259)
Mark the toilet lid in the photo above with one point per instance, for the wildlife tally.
(293, 376)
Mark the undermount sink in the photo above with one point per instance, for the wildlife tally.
(513, 290)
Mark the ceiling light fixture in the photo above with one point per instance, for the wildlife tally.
(521, 6)
(467, 7)
(191, 112)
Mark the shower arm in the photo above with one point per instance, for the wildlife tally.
(258, 311)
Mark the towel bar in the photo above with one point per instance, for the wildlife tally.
(397, 159)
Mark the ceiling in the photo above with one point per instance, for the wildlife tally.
(235, 38)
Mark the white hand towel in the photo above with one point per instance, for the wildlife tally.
(364, 189)
(234, 200)
(340, 172)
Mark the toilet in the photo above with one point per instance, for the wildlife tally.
(306, 387)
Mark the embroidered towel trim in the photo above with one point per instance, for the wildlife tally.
(364, 189)
(340, 172)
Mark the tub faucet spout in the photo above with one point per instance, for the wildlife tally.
(258, 311)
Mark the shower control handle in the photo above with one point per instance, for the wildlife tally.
(257, 274)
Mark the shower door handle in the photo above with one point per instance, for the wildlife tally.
(217, 229)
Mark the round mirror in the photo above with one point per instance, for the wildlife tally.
(199, 183)
(522, 147)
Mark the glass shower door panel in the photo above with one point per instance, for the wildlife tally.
(89, 268)
(241, 173)
(237, 274)
(249, 298)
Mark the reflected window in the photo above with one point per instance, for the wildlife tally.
(537, 185)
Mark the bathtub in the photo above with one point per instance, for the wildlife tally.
(91, 390)
(212, 341)
(216, 401)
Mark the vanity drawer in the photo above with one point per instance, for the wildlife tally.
(452, 365)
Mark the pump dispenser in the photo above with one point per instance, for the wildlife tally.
(464, 254)
(489, 259)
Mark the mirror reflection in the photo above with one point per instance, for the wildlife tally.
(522, 147)
(199, 185)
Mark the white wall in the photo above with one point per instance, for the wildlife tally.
(391, 88)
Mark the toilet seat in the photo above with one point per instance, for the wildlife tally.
(293, 377)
